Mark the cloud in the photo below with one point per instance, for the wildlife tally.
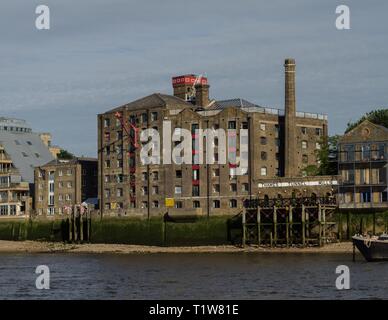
(98, 55)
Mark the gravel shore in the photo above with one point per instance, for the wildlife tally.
(52, 247)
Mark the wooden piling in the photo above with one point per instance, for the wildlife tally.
(244, 227)
(319, 225)
(258, 226)
(275, 226)
(303, 226)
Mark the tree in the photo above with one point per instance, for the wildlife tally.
(326, 158)
(379, 116)
(64, 154)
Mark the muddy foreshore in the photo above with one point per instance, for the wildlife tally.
(56, 247)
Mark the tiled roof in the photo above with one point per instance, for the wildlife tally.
(155, 100)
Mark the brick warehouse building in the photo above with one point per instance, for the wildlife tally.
(60, 184)
(280, 145)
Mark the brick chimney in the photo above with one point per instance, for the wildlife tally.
(290, 159)
(202, 94)
(184, 88)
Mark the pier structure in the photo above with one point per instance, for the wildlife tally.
(288, 221)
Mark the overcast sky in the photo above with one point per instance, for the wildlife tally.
(99, 54)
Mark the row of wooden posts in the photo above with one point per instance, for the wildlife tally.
(77, 227)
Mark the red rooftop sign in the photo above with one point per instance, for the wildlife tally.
(188, 80)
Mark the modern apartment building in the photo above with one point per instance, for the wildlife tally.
(61, 184)
(14, 193)
(23, 146)
(363, 168)
(280, 143)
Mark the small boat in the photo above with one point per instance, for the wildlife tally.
(373, 248)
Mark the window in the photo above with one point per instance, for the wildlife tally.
(304, 144)
(68, 197)
(216, 172)
(50, 211)
(60, 173)
(178, 204)
(178, 189)
(107, 179)
(37, 155)
(244, 125)
(216, 188)
(263, 140)
(277, 142)
(245, 187)
(365, 197)
(60, 184)
(155, 204)
(119, 192)
(195, 191)
(60, 197)
(262, 126)
(263, 171)
(69, 172)
(178, 174)
(69, 184)
(144, 191)
(119, 163)
(232, 125)
(155, 190)
(196, 174)
(155, 175)
(106, 193)
(317, 145)
(154, 116)
(144, 117)
(216, 204)
(144, 205)
(263, 155)
(29, 143)
(196, 204)
(318, 131)
(277, 130)
(233, 203)
(120, 178)
(233, 187)
(303, 130)
(106, 122)
(305, 158)
(144, 176)
(40, 198)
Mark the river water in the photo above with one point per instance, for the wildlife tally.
(191, 276)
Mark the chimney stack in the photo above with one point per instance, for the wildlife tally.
(290, 159)
(202, 94)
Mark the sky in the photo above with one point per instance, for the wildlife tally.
(100, 54)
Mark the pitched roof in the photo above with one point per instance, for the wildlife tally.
(74, 160)
(155, 100)
(26, 150)
(376, 132)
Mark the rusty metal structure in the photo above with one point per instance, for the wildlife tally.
(289, 221)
